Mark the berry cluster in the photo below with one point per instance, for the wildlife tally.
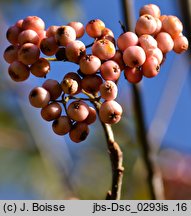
(138, 54)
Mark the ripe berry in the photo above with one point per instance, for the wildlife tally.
(28, 36)
(53, 87)
(151, 67)
(157, 53)
(94, 28)
(110, 70)
(40, 68)
(28, 53)
(11, 53)
(127, 39)
(146, 24)
(49, 46)
(108, 90)
(62, 125)
(64, 35)
(103, 49)
(75, 50)
(61, 54)
(12, 34)
(91, 116)
(76, 77)
(110, 112)
(89, 64)
(51, 112)
(33, 22)
(79, 132)
(180, 44)
(51, 31)
(39, 97)
(151, 9)
(118, 58)
(78, 110)
(147, 42)
(78, 27)
(91, 83)
(18, 71)
(134, 56)
(165, 42)
(69, 86)
(159, 26)
(133, 75)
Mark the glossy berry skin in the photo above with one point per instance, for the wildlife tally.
(12, 34)
(51, 112)
(28, 53)
(151, 67)
(127, 39)
(40, 68)
(91, 83)
(53, 87)
(78, 27)
(94, 28)
(165, 42)
(108, 90)
(110, 70)
(28, 36)
(157, 53)
(91, 116)
(180, 44)
(39, 97)
(75, 50)
(103, 49)
(151, 9)
(134, 56)
(11, 53)
(18, 71)
(146, 24)
(79, 132)
(61, 125)
(110, 112)
(78, 110)
(89, 64)
(133, 75)
(48, 46)
(51, 31)
(33, 22)
(64, 35)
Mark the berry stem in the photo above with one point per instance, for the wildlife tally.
(115, 153)
(154, 177)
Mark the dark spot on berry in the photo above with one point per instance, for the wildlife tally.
(83, 135)
(55, 122)
(76, 105)
(34, 93)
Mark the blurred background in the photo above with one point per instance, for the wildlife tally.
(37, 164)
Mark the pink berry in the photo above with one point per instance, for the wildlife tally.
(49, 46)
(89, 64)
(108, 90)
(107, 32)
(51, 112)
(147, 42)
(157, 53)
(18, 71)
(40, 68)
(91, 83)
(133, 75)
(19, 23)
(64, 35)
(61, 125)
(11, 53)
(34, 23)
(103, 49)
(28, 36)
(110, 112)
(151, 9)
(151, 67)
(94, 28)
(51, 31)
(165, 42)
(180, 44)
(110, 70)
(78, 27)
(127, 39)
(118, 58)
(39, 97)
(28, 53)
(78, 110)
(12, 34)
(146, 24)
(53, 87)
(79, 132)
(159, 26)
(75, 50)
(134, 56)
(91, 116)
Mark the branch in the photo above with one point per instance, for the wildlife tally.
(115, 153)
